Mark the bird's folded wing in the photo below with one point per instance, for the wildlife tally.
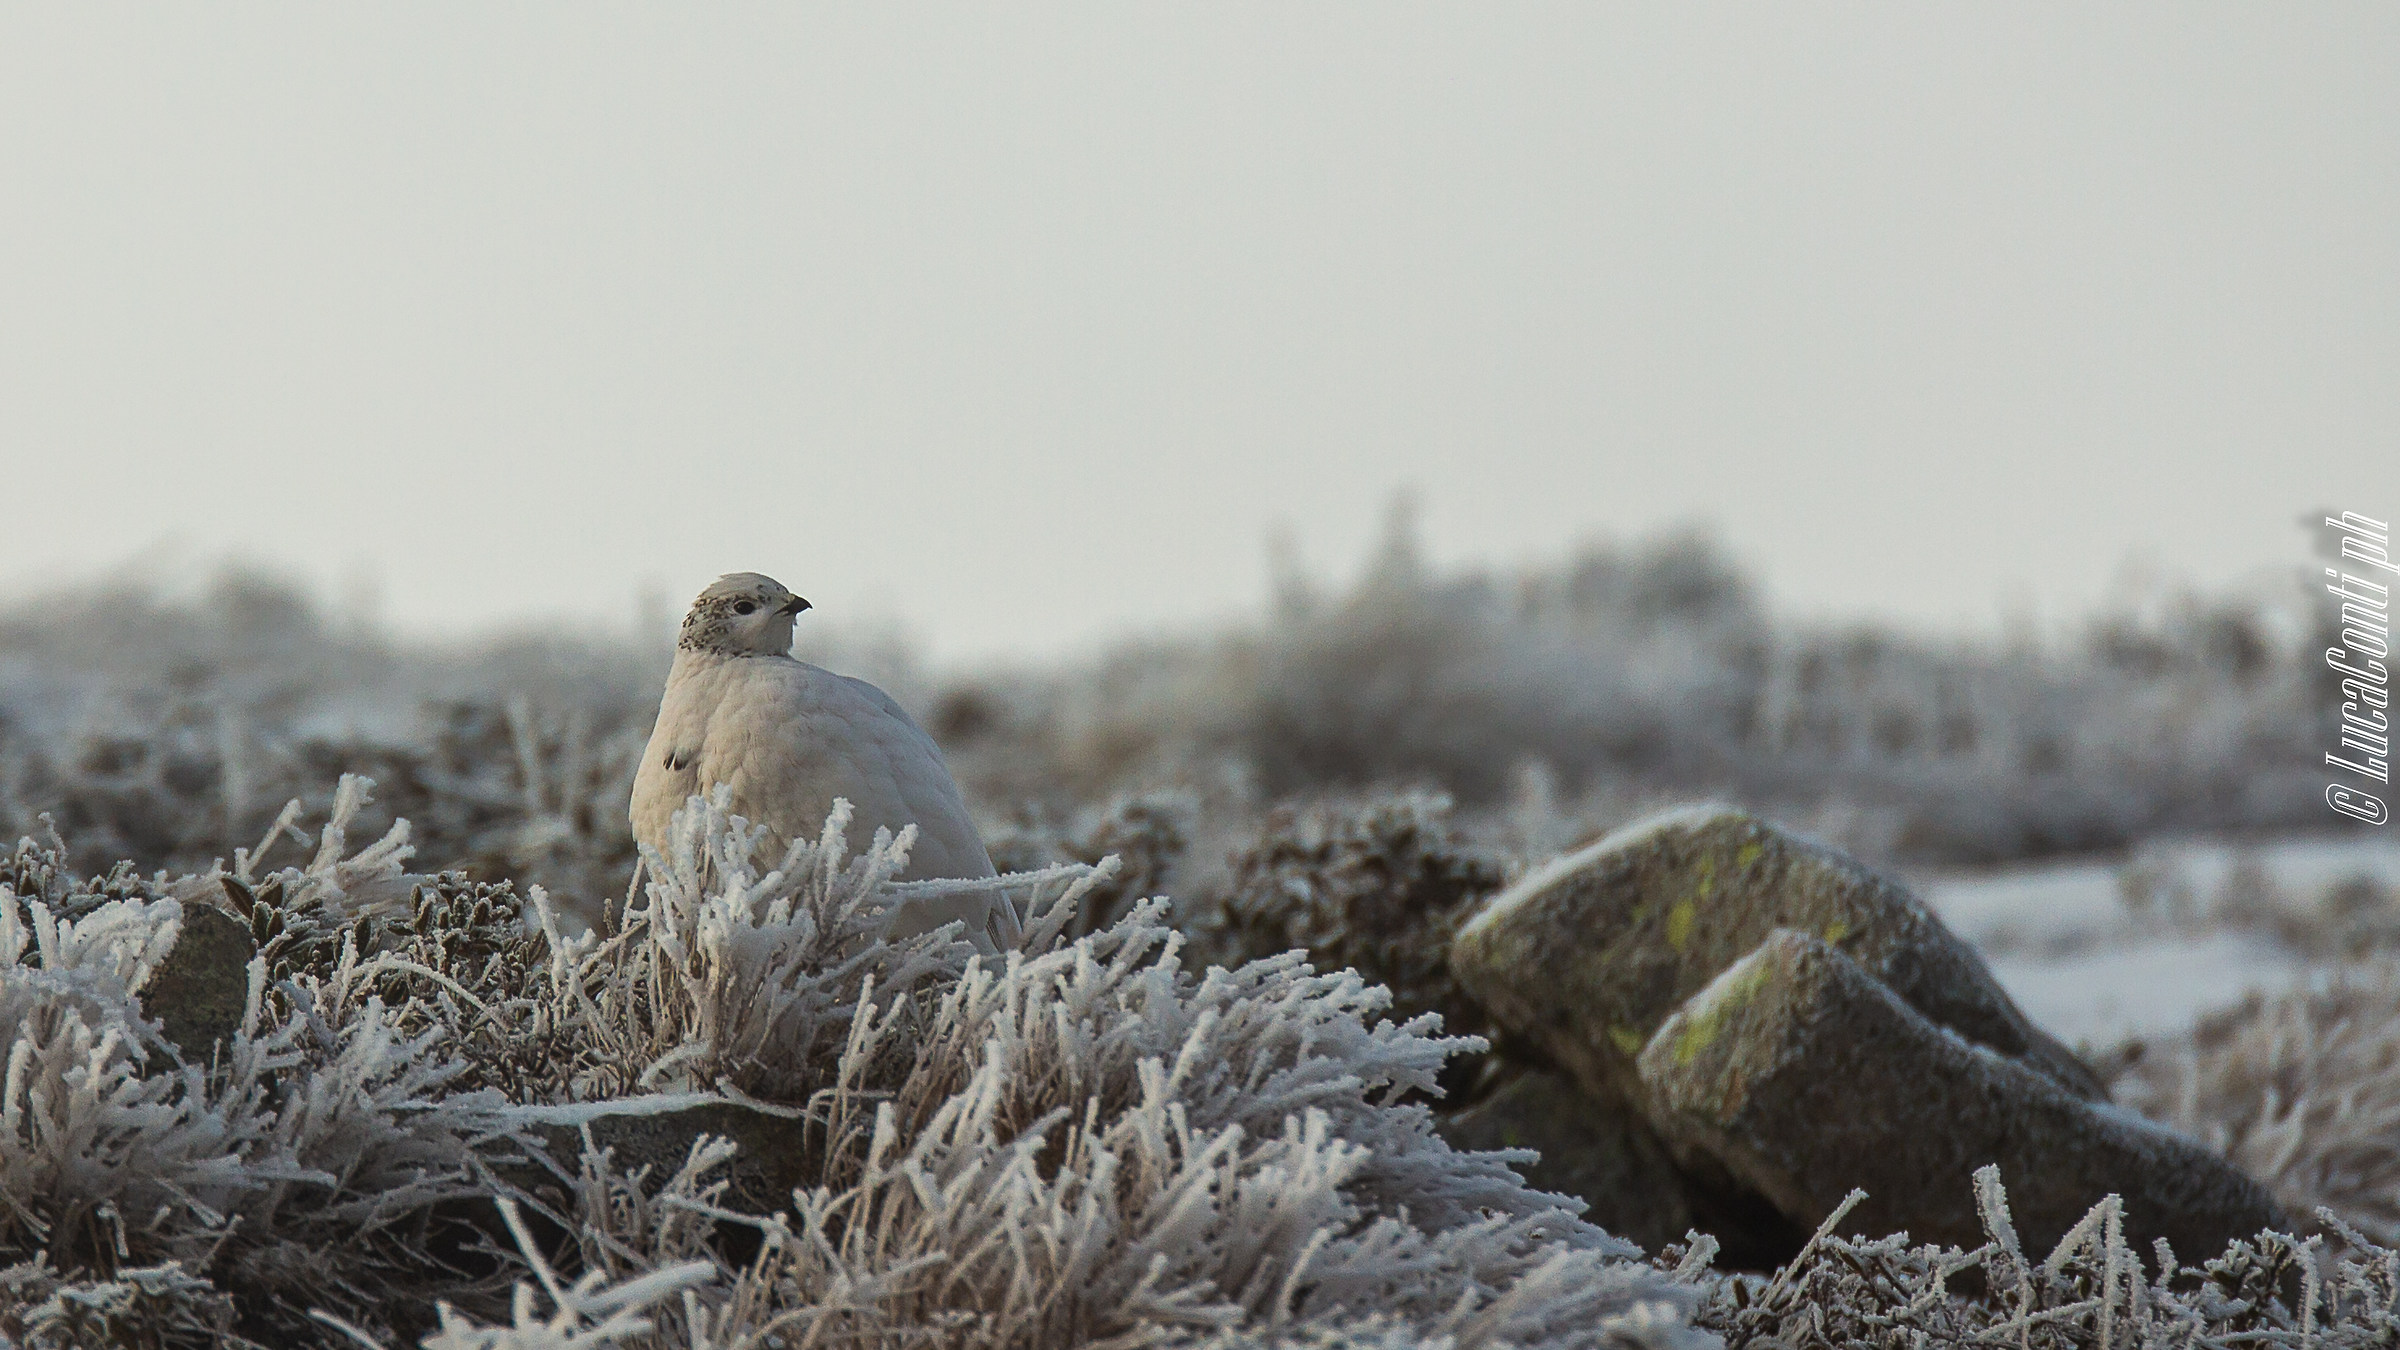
(790, 738)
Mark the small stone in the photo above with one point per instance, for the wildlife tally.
(761, 1175)
(1804, 1076)
(200, 988)
(1588, 955)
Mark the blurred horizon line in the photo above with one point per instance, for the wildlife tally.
(352, 600)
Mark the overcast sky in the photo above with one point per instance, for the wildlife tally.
(1019, 326)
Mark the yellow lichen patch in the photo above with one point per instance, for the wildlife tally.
(1625, 1038)
(1837, 930)
(1750, 853)
(1705, 1015)
(1699, 1029)
(1679, 923)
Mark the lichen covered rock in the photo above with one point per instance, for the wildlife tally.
(1590, 954)
(1806, 1077)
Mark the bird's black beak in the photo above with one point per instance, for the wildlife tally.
(794, 607)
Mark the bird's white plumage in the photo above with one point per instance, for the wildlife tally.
(788, 738)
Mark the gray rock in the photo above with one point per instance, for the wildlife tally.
(1588, 955)
(1598, 1151)
(1591, 1149)
(761, 1176)
(198, 990)
(1804, 1075)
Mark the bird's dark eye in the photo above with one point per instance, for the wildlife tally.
(744, 607)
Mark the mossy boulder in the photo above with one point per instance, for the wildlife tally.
(1804, 1076)
(1588, 955)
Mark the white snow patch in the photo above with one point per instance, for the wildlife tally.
(2154, 987)
(2032, 909)
(2091, 969)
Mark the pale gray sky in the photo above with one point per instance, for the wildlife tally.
(1024, 325)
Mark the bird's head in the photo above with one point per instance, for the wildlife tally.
(742, 614)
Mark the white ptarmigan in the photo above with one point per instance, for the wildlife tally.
(788, 737)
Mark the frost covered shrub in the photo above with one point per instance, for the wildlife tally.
(1084, 1143)
(2092, 1289)
(1409, 677)
(1656, 670)
(2341, 918)
(1379, 886)
(514, 760)
(2301, 1091)
(1147, 833)
(136, 1306)
(1970, 753)
(295, 1167)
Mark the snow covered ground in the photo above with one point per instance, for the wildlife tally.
(2147, 988)
(2098, 952)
